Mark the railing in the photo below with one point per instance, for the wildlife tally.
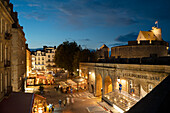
(123, 100)
(8, 36)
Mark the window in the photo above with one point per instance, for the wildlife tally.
(48, 60)
(38, 62)
(48, 56)
(150, 87)
(42, 58)
(1, 83)
(39, 58)
(5, 52)
(42, 62)
(1, 24)
(6, 27)
(130, 84)
(1, 52)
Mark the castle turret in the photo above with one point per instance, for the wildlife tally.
(157, 33)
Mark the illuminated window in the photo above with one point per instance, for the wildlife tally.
(150, 87)
(130, 84)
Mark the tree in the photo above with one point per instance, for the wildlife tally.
(64, 55)
(84, 55)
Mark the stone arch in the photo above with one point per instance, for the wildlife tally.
(107, 84)
(98, 85)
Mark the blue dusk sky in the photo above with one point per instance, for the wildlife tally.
(91, 23)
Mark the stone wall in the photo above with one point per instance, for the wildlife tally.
(138, 51)
(141, 76)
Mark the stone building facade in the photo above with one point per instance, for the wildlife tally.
(43, 60)
(50, 54)
(28, 61)
(136, 80)
(103, 52)
(18, 54)
(6, 21)
(148, 43)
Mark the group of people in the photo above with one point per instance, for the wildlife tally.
(64, 90)
(66, 101)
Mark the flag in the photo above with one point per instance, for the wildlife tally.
(156, 22)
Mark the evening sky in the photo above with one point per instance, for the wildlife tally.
(90, 23)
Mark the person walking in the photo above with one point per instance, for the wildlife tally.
(64, 102)
(60, 102)
(68, 100)
(72, 100)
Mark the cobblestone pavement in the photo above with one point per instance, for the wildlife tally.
(76, 102)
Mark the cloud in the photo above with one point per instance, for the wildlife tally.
(35, 15)
(128, 37)
(85, 40)
(116, 44)
(89, 13)
(33, 5)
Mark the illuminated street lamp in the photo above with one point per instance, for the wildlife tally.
(102, 94)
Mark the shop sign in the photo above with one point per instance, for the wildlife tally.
(141, 76)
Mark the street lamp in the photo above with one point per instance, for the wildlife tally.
(102, 94)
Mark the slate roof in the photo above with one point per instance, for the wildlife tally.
(17, 103)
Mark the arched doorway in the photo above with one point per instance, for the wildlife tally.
(108, 84)
(98, 85)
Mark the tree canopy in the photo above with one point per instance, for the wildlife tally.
(64, 55)
(68, 56)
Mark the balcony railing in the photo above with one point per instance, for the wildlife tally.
(8, 36)
(7, 63)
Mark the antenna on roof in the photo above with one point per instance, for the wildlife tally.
(156, 22)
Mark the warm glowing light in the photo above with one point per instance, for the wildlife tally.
(89, 73)
(77, 69)
(117, 108)
(123, 81)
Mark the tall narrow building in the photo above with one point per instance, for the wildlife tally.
(18, 54)
(6, 21)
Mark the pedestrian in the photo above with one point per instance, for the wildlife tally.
(68, 100)
(64, 102)
(60, 102)
(120, 87)
(52, 107)
(71, 90)
(72, 100)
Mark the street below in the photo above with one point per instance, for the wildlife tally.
(75, 102)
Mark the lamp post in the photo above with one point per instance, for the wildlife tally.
(102, 94)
